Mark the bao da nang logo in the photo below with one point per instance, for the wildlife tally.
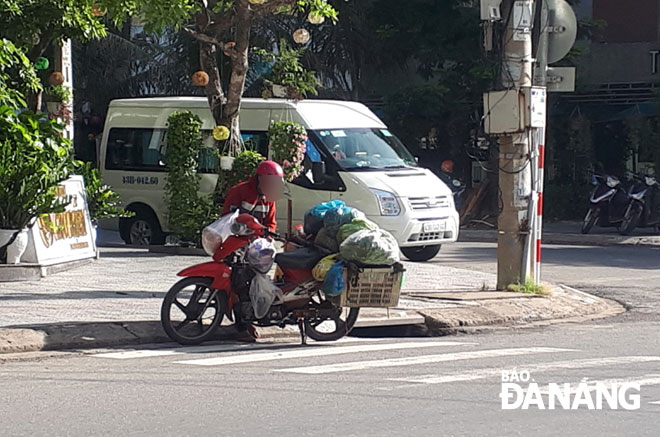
(520, 392)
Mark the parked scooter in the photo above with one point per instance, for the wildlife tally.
(609, 201)
(644, 207)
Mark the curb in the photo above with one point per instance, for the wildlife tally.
(563, 304)
(488, 236)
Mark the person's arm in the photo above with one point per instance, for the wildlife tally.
(269, 221)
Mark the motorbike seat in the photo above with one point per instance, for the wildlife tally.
(300, 259)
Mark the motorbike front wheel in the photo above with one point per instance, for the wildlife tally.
(333, 328)
(590, 219)
(630, 220)
(192, 311)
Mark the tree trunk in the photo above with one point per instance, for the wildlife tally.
(208, 62)
(239, 62)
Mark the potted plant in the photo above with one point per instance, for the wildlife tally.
(288, 78)
(56, 97)
(287, 147)
(34, 159)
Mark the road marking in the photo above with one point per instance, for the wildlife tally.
(317, 351)
(151, 353)
(654, 402)
(532, 368)
(424, 359)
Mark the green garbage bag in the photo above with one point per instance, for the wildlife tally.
(354, 226)
(370, 247)
(327, 239)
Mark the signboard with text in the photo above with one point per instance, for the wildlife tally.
(64, 236)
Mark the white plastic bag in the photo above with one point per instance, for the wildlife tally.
(261, 255)
(217, 232)
(263, 292)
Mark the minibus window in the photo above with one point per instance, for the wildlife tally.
(135, 149)
(256, 142)
(366, 149)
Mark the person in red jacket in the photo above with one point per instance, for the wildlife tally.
(258, 195)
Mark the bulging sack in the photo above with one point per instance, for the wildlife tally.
(356, 225)
(341, 216)
(334, 284)
(313, 220)
(217, 232)
(371, 247)
(263, 293)
(261, 255)
(321, 269)
(327, 239)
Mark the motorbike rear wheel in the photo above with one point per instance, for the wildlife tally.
(192, 311)
(590, 219)
(333, 328)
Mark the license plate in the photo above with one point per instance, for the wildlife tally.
(433, 227)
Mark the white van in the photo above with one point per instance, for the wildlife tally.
(352, 156)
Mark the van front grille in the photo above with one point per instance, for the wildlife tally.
(428, 202)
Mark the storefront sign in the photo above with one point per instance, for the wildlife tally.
(64, 236)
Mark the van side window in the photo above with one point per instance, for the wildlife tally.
(135, 149)
(209, 160)
(256, 142)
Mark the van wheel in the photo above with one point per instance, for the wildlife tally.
(142, 229)
(421, 253)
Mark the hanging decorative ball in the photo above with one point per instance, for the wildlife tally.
(98, 10)
(56, 78)
(41, 63)
(315, 18)
(257, 2)
(200, 78)
(301, 36)
(220, 133)
(228, 48)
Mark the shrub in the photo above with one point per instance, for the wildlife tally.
(188, 212)
(102, 202)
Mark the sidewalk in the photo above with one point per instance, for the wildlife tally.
(116, 301)
(569, 233)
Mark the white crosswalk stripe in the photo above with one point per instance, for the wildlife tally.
(182, 350)
(316, 351)
(424, 359)
(532, 368)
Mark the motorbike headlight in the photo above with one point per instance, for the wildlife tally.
(594, 180)
(387, 201)
(456, 182)
(650, 180)
(612, 182)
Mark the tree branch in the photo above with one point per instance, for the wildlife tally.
(260, 11)
(203, 37)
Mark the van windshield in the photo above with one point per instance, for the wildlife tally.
(366, 149)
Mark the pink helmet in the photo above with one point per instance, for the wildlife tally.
(270, 168)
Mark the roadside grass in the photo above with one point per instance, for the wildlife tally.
(529, 287)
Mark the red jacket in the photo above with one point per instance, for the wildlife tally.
(246, 198)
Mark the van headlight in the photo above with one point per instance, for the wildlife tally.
(387, 202)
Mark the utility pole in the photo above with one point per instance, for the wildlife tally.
(516, 113)
(514, 164)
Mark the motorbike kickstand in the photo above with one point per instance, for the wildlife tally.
(303, 333)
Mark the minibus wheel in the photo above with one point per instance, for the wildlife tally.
(142, 229)
(421, 253)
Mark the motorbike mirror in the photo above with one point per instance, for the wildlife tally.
(318, 172)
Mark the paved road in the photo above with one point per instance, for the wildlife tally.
(630, 275)
(384, 387)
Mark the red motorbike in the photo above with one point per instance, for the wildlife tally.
(195, 306)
